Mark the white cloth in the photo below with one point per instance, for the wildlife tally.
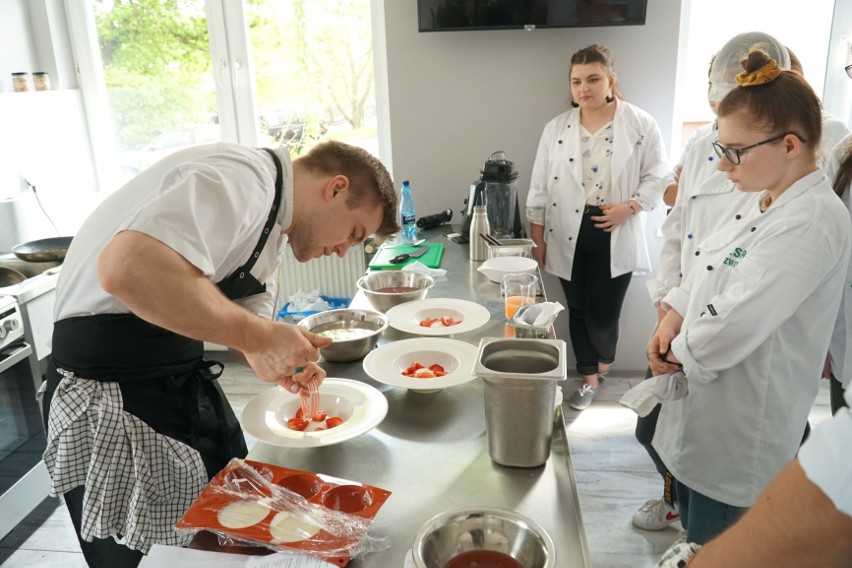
(840, 349)
(209, 203)
(642, 398)
(754, 338)
(138, 483)
(556, 198)
(826, 458)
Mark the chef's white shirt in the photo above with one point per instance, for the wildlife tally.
(209, 203)
(557, 199)
(826, 458)
(758, 311)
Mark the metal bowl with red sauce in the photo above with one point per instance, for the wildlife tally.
(388, 288)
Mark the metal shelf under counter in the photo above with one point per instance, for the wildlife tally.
(431, 451)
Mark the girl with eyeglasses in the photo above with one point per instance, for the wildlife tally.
(751, 323)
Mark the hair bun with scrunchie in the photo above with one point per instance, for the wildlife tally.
(766, 74)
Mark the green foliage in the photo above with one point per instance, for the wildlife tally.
(311, 56)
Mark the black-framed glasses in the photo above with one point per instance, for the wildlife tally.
(734, 155)
(849, 71)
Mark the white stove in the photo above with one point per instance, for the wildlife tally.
(11, 324)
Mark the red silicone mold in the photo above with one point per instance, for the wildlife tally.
(254, 514)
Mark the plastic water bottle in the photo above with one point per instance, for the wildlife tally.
(407, 214)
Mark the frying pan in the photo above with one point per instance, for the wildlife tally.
(10, 277)
(43, 250)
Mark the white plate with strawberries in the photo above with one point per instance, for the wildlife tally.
(438, 316)
(423, 364)
(347, 409)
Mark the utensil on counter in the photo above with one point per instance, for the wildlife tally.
(490, 240)
(405, 256)
(43, 250)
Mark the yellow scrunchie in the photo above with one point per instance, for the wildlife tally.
(765, 74)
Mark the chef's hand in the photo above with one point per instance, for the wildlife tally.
(298, 383)
(614, 214)
(660, 358)
(276, 353)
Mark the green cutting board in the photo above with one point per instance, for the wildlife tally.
(432, 259)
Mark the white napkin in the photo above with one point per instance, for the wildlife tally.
(649, 393)
(540, 315)
(418, 266)
(307, 301)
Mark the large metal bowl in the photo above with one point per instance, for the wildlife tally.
(482, 529)
(375, 286)
(355, 332)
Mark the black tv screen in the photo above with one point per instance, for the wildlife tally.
(459, 15)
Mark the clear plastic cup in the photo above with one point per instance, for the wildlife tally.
(518, 289)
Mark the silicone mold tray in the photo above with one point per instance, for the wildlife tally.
(283, 508)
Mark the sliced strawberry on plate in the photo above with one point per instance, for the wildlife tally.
(297, 424)
(333, 421)
(319, 415)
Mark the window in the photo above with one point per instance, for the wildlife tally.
(175, 73)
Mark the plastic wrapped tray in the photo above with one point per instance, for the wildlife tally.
(287, 509)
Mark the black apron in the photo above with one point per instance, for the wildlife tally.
(163, 377)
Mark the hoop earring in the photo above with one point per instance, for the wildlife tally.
(609, 99)
(575, 105)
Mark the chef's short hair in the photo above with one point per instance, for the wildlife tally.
(369, 180)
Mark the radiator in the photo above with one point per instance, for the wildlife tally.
(331, 275)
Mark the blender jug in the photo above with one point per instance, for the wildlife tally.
(501, 195)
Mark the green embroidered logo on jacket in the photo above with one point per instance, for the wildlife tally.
(735, 256)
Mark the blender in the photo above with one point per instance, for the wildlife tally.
(497, 189)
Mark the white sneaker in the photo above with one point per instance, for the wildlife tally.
(655, 515)
(583, 397)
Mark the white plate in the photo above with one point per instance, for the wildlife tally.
(361, 406)
(387, 363)
(407, 317)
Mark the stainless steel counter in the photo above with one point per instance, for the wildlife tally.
(431, 452)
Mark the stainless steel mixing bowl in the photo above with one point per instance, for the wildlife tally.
(355, 332)
(374, 283)
(484, 528)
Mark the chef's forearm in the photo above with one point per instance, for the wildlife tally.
(161, 287)
(537, 233)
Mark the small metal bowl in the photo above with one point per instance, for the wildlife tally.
(499, 530)
(355, 332)
(373, 283)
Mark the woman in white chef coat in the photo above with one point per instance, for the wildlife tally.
(598, 167)
(752, 326)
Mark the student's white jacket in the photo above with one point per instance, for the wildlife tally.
(758, 311)
(557, 199)
(840, 349)
(706, 200)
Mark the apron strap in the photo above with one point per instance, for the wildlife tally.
(241, 284)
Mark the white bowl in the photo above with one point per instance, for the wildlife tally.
(496, 268)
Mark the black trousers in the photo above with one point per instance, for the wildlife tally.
(646, 426)
(837, 392)
(594, 298)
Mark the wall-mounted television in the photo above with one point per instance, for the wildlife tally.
(460, 15)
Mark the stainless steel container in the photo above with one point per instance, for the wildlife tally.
(519, 377)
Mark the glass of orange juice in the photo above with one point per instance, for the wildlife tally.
(518, 289)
